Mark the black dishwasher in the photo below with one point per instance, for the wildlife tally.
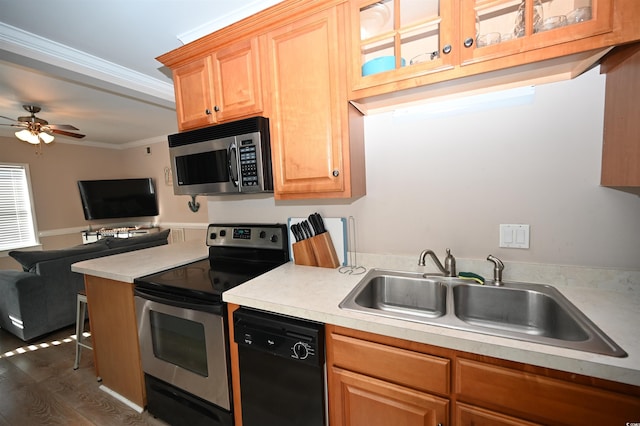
(281, 369)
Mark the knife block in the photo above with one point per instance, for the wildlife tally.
(303, 253)
(324, 251)
(316, 251)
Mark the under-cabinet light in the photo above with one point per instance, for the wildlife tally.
(484, 101)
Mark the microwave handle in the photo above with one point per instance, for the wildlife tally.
(233, 148)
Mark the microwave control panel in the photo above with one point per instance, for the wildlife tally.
(248, 164)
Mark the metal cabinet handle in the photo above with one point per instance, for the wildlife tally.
(335, 173)
(216, 108)
(468, 42)
(207, 111)
(446, 49)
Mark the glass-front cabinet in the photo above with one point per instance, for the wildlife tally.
(403, 36)
(494, 28)
(398, 39)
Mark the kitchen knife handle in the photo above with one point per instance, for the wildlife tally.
(320, 222)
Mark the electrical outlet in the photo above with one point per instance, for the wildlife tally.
(148, 150)
(514, 236)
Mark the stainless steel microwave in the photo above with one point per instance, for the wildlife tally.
(228, 158)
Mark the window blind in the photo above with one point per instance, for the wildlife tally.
(17, 226)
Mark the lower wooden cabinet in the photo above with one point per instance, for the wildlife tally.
(475, 416)
(374, 382)
(379, 380)
(114, 333)
(531, 395)
(360, 400)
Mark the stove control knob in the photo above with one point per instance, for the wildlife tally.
(274, 238)
(300, 351)
(263, 234)
(223, 232)
(213, 236)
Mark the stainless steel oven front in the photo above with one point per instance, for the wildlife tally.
(184, 344)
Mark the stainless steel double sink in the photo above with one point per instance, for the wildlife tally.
(531, 312)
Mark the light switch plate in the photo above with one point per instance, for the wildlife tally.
(514, 236)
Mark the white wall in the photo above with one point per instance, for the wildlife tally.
(450, 180)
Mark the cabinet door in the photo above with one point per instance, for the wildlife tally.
(359, 400)
(495, 28)
(621, 144)
(238, 89)
(396, 39)
(194, 101)
(309, 105)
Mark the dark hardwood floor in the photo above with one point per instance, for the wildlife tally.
(38, 386)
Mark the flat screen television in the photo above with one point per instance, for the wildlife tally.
(118, 198)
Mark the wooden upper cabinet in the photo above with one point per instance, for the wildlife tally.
(394, 39)
(316, 140)
(225, 85)
(492, 29)
(404, 44)
(194, 99)
(237, 84)
(621, 139)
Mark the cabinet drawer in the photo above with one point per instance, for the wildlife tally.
(474, 416)
(540, 398)
(405, 367)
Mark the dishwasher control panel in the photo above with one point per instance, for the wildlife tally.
(292, 338)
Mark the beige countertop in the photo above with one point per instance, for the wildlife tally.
(134, 264)
(314, 293)
(609, 298)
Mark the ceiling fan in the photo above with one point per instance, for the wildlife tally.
(36, 130)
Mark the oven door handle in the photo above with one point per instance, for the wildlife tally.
(216, 308)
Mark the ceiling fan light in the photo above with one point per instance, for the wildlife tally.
(28, 136)
(46, 137)
(23, 135)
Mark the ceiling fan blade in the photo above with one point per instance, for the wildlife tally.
(61, 127)
(65, 133)
(23, 125)
(7, 118)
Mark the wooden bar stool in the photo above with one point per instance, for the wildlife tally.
(81, 311)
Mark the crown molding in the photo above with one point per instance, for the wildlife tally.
(118, 147)
(239, 13)
(38, 48)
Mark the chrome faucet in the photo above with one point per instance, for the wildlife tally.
(449, 268)
(498, 267)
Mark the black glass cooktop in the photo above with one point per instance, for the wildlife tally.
(205, 278)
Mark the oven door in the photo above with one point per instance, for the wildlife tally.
(185, 345)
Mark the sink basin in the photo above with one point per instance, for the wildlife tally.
(531, 312)
(399, 295)
(518, 310)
